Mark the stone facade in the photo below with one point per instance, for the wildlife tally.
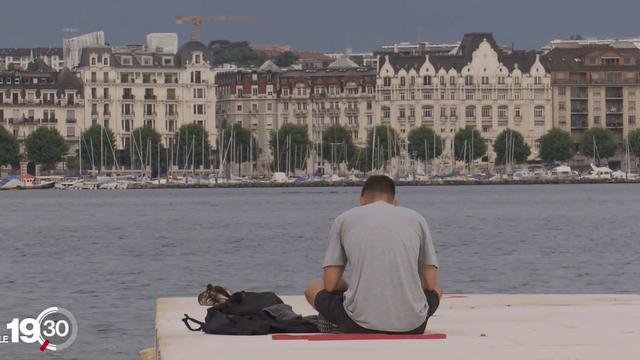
(595, 85)
(266, 98)
(32, 99)
(132, 87)
(477, 84)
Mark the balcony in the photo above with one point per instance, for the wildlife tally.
(613, 93)
(71, 121)
(300, 112)
(172, 114)
(128, 97)
(351, 111)
(503, 122)
(538, 122)
(150, 97)
(49, 121)
(579, 124)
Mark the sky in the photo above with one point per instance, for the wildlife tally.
(321, 25)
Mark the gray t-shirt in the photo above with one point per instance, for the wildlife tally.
(385, 246)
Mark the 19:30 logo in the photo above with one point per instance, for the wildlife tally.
(55, 329)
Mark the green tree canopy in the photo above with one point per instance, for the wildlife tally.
(556, 145)
(337, 144)
(387, 144)
(46, 146)
(424, 143)
(142, 150)
(513, 142)
(471, 139)
(192, 147)
(240, 53)
(605, 143)
(243, 141)
(282, 148)
(9, 148)
(634, 142)
(98, 145)
(286, 59)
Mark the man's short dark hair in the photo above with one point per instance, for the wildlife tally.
(379, 185)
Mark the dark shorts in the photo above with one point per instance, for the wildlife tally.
(329, 305)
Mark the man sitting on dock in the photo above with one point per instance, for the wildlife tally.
(394, 285)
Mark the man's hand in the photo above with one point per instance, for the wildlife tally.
(332, 279)
(429, 278)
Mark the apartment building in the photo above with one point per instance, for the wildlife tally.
(595, 84)
(263, 99)
(42, 98)
(477, 84)
(20, 58)
(130, 87)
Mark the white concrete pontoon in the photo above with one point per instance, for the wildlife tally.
(493, 327)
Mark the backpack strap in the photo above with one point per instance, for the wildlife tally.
(186, 320)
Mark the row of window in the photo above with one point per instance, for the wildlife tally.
(469, 80)
(470, 112)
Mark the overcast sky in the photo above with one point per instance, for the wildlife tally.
(327, 25)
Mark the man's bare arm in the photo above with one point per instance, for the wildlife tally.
(429, 278)
(332, 279)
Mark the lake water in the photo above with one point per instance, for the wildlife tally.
(106, 256)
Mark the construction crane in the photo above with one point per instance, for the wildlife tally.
(197, 21)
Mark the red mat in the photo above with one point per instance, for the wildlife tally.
(342, 337)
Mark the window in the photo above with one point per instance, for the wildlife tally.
(486, 95)
(469, 94)
(562, 91)
(443, 82)
(596, 119)
(452, 80)
(501, 80)
(387, 81)
(426, 80)
(198, 109)
(146, 60)
(537, 80)
(484, 80)
(402, 113)
(632, 119)
(402, 81)
(427, 112)
(502, 112)
(198, 93)
(516, 80)
(386, 113)
(254, 91)
(486, 112)
(239, 107)
(196, 77)
(453, 112)
(167, 61)
(427, 94)
(412, 80)
(443, 112)
(516, 112)
(610, 61)
(125, 60)
(562, 106)
(516, 95)
(538, 112)
(93, 60)
(452, 95)
(149, 109)
(470, 112)
(502, 94)
(94, 76)
(468, 80)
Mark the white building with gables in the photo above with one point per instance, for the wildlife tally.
(477, 84)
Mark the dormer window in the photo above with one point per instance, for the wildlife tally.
(197, 59)
(167, 61)
(105, 60)
(610, 61)
(146, 60)
(125, 60)
(93, 61)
